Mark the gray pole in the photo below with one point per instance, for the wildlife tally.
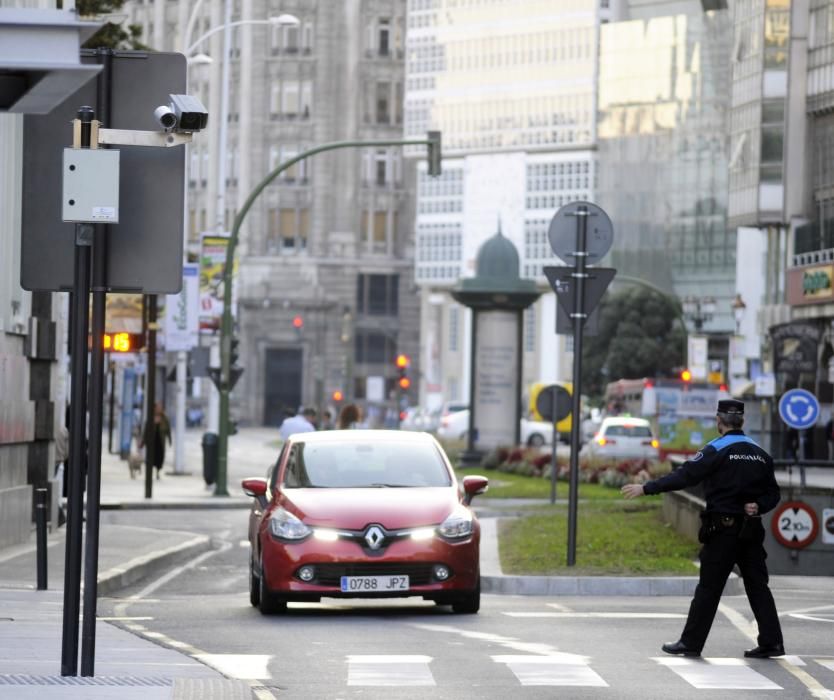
(578, 315)
(553, 465)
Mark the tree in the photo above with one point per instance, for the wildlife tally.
(639, 336)
(112, 35)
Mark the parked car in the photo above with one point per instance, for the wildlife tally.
(623, 438)
(534, 433)
(363, 513)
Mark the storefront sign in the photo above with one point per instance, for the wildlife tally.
(810, 285)
(795, 346)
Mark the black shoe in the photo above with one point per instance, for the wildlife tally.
(679, 649)
(765, 652)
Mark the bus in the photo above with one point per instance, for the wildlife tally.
(682, 413)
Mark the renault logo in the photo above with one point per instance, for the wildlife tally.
(374, 536)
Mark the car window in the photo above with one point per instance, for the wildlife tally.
(272, 472)
(365, 465)
(635, 431)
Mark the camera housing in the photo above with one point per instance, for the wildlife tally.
(184, 114)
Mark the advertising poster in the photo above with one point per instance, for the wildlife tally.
(182, 312)
(212, 265)
(496, 378)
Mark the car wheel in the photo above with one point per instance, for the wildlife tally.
(535, 440)
(254, 585)
(468, 603)
(269, 602)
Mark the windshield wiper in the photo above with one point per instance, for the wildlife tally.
(378, 485)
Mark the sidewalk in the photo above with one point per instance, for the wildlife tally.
(128, 666)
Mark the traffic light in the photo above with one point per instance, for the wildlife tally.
(234, 355)
(338, 396)
(403, 361)
(121, 342)
(686, 376)
(434, 155)
(298, 325)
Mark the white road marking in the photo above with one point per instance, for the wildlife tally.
(559, 607)
(243, 543)
(389, 670)
(508, 642)
(749, 630)
(601, 615)
(718, 674)
(553, 670)
(247, 667)
(813, 618)
(828, 663)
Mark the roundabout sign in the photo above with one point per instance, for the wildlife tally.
(795, 525)
(799, 409)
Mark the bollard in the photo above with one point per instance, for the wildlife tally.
(40, 526)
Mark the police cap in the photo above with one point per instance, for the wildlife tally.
(731, 407)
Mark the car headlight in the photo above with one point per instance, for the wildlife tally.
(457, 525)
(286, 526)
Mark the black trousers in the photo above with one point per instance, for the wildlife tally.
(718, 556)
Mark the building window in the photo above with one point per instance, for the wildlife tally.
(374, 347)
(530, 329)
(454, 328)
(384, 37)
(378, 295)
(288, 229)
(374, 231)
(383, 96)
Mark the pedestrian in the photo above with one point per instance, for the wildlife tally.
(739, 486)
(326, 421)
(161, 433)
(61, 457)
(303, 422)
(349, 416)
(829, 437)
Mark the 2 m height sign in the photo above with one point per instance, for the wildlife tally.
(795, 524)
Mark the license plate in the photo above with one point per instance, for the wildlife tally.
(374, 584)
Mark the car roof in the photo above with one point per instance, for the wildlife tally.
(627, 420)
(354, 436)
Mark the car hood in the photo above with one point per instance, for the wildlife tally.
(353, 509)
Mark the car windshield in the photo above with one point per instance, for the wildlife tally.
(635, 431)
(365, 465)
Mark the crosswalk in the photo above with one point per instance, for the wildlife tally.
(570, 670)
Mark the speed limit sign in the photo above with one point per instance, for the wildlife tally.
(795, 524)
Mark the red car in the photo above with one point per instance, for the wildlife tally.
(363, 514)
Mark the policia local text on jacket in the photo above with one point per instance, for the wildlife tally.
(739, 486)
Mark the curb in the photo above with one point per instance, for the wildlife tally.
(150, 504)
(138, 568)
(600, 585)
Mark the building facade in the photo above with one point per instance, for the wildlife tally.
(514, 97)
(325, 286)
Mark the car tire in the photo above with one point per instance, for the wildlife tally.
(269, 602)
(468, 603)
(535, 440)
(254, 585)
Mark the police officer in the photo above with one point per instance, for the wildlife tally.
(739, 486)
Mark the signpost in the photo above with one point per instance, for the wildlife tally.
(800, 410)
(554, 404)
(580, 233)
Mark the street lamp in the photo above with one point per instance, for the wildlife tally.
(699, 310)
(738, 306)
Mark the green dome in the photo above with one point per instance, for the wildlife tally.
(498, 260)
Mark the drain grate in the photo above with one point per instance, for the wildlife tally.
(25, 679)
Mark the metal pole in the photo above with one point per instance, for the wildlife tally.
(40, 525)
(112, 410)
(150, 397)
(553, 465)
(578, 315)
(96, 398)
(78, 414)
(179, 436)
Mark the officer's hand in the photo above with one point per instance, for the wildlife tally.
(751, 508)
(632, 490)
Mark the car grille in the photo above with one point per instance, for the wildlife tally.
(330, 574)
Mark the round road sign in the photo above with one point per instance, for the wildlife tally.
(799, 408)
(563, 231)
(794, 524)
(544, 403)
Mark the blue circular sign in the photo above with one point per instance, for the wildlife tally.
(799, 408)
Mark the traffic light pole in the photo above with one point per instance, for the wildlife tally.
(225, 384)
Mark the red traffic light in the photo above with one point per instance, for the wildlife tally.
(403, 361)
(405, 382)
(338, 395)
(686, 375)
(298, 322)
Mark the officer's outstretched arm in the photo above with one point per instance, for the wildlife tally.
(691, 472)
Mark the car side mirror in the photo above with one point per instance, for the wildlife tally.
(474, 486)
(256, 487)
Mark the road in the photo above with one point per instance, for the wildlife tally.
(530, 647)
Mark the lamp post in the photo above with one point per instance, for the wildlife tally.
(223, 134)
(738, 306)
(699, 310)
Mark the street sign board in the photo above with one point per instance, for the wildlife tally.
(564, 284)
(794, 524)
(544, 403)
(564, 323)
(144, 251)
(562, 232)
(799, 409)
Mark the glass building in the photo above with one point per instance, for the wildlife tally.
(664, 92)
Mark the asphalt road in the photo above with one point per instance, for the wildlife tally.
(525, 647)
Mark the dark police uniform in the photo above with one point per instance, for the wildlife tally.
(734, 470)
